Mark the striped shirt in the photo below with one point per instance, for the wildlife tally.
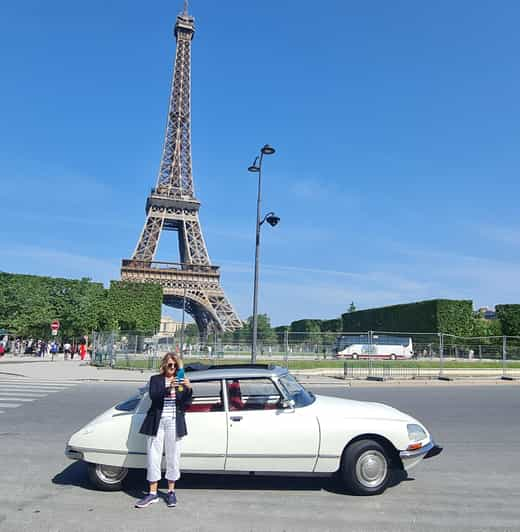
(169, 403)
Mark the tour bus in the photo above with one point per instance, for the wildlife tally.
(382, 346)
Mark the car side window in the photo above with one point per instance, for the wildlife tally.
(252, 394)
(207, 397)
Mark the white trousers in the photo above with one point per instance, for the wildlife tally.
(166, 439)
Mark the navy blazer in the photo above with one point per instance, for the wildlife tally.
(157, 391)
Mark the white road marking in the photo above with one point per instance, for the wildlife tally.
(26, 393)
(20, 391)
(36, 381)
(31, 387)
(23, 399)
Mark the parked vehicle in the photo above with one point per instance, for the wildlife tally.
(258, 418)
(376, 346)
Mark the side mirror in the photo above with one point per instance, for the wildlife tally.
(288, 404)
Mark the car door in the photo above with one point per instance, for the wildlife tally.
(263, 436)
(204, 448)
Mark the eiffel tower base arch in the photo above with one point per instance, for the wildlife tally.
(205, 319)
(196, 286)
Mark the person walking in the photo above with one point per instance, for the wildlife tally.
(82, 351)
(165, 425)
(66, 350)
(54, 349)
(43, 349)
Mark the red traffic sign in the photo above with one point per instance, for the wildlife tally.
(55, 325)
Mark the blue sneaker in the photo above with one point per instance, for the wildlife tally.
(171, 499)
(146, 501)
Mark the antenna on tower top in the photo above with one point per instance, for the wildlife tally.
(185, 7)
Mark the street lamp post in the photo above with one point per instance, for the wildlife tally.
(272, 219)
(182, 324)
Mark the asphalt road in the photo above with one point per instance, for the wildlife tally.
(473, 485)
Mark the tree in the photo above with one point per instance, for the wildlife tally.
(191, 333)
(509, 316)
(265, 333)
(306, 331)
(29, 303)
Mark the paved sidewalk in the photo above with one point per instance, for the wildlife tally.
(70, 370)
(76, 370)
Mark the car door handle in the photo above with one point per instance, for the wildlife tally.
(236, 418)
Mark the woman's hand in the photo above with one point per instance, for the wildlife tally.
(186, 382)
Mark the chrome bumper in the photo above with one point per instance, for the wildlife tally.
(73, 454)
(429, 450)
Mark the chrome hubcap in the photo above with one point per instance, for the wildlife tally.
(371, 468)
(110, 474)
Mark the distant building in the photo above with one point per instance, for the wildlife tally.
(487, 313)
(169, 326)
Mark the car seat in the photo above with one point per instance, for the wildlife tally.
(235, 396)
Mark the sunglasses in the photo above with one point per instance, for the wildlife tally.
(170, 366)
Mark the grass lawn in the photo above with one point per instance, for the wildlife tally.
(316, 364)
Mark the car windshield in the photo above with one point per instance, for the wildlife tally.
(129, 405)
(296, 391)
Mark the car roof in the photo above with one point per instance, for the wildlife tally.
(236, 371)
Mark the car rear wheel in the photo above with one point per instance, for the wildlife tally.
(392, 356)
(107, 478)
(354, 356)
(365, 468)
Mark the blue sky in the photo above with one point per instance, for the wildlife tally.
(396, 126)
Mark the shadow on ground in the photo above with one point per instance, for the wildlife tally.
(135, 483)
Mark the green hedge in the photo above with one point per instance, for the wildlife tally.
(135, 306)
(28, 304)
(509, 316)
(437, 315)
(305, 326)
(334, 325)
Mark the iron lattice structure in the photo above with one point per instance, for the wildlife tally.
(194, 283)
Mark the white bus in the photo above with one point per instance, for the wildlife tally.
(383, 346)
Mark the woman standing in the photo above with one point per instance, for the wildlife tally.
(82, 351)
(165, 425)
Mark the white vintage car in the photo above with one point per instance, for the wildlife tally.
(259, 419)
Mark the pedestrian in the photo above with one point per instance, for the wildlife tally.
(82, 351)
(165, 425)
(43, 348)
(53, 349)
(2, 349)
(66, 350)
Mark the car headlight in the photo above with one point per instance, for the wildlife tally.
(416, 432)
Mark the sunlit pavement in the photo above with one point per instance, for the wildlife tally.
(473, 484)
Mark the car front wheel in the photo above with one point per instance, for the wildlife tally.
(366, 467)
(107, 478)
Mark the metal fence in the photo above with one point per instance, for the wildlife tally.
(371, 354)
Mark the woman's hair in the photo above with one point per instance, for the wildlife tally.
(173, 357)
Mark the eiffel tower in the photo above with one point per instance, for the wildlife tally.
(194, 283)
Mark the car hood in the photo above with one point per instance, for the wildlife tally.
(348, 408)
